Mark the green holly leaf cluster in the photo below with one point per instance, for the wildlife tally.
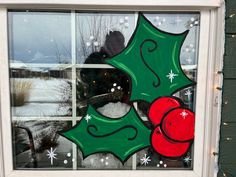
(151, 60)
(122, 137)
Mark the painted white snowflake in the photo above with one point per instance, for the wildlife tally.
(51, 154)
(88, 44)
(187, 159)
(184, 114)
(145, 160)
(171, 76)
(188, 93)
(88, 118)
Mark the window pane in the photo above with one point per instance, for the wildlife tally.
(178, 23)
(102, 35)
(40, 92)
(99, 87)
(40, 37)
(36, 144)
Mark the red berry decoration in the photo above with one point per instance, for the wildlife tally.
(160, 107)
(167, 147)
(174, 127)
(178, 124)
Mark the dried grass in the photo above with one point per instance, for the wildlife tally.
(20, 92)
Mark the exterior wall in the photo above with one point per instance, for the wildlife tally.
(227, 158)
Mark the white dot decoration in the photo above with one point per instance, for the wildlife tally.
(107, 158)
(65, 161)
(161, 164)
(68, 154)
(106, 163)
(102, 160)
(88, 44)
(114, 84)
(95, 43)
(112, 90)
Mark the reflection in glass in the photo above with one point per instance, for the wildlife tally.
(178, 23)
(102, 161)
(105, 33)
(39, 37)
(99, 87)
(34, 140)
(40, 91)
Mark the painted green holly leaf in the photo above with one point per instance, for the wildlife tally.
(122, 136)
(152, 61)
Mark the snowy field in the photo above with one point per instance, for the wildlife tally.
(45, 98)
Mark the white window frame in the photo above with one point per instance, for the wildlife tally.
(208, 99)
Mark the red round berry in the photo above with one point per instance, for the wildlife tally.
(167, 147)
(178, 124)
(160, 107)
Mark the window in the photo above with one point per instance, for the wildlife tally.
(57, 68)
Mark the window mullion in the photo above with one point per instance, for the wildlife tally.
(73, 56)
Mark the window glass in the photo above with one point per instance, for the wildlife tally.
(52, 88)
(40, 37)
(102, 35)
(40, 92)
(36, 144)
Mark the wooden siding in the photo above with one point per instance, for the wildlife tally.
(227, 158)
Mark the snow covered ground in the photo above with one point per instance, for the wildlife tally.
(114, 110)
(45, 98)
(40, 110)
